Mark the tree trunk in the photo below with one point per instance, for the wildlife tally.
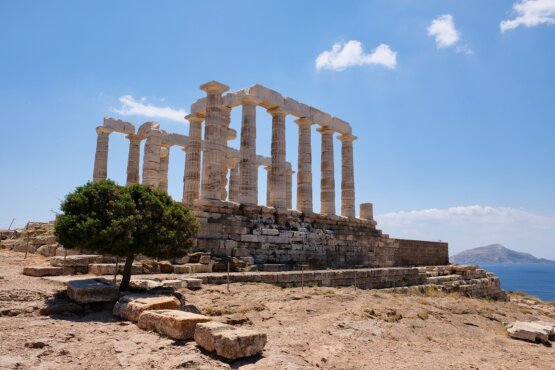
(126, 272)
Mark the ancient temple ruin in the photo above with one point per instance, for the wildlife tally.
(232, 223)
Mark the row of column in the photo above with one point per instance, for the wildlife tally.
(243, 175)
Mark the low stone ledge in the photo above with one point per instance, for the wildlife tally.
(175, 324)
(110, 268)
(39, 271)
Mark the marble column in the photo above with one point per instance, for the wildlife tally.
(100, 171)
(164, 164)
(304, 169)
(248, 168)
(234, 181)
(268, 188)
(214, 148)
(133, 159)
(347, 176)
(191, 178)
(327, 183)
(151, 158)
(227, 134)
(278, 180)
(288, 188)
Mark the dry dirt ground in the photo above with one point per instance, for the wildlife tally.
(322, 328)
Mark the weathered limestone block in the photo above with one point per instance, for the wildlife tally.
(61, 252)
(145, 284)
(176, 284)
(39, 271)
(110, 268)
(175, 324)
(228, 341)
(131, 306)
(538, 331)
(182, 269)
(82, 260)
(92, 291)
(193, 283)
(165, 267)
(48, 250)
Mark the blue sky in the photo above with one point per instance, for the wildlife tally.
(455, 118)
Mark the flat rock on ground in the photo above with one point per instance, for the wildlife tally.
(172, 323)
(131, 306)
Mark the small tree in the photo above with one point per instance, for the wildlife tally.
(125, 221)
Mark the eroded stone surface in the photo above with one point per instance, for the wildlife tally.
(92, 291)
(172, 323)
(537, 331)
(228, 341)
(131, 306)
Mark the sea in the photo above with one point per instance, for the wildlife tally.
(537, 279)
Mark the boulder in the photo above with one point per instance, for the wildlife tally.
(176, 284)
(48, 250)
(46, 271)
(537, 331)
(228, 341)
(175, 324)
(92, 290)
(131, 306)
(192, 283)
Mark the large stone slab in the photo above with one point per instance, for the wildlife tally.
(537, 331)
(131, 306)
(46, 271)
(74, 261)
(145, 284)
(110, 268)
(92, 291)
(175, 324)
(228, 341)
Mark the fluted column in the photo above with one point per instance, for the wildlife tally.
(214, 150)
(304, 169)
(248, 169)
(100, 171)
(347, 176)
(234, 181)
(151, 158)
(191, 178)
(133, 159)
(288, 188)
(268, 188)
(278, 181)
(164, 164)
(327, 183)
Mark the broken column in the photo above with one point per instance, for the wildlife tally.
(101, 156)
(234, 181)
(304, 169)
(347, 176)
(366, 211)
(191, 179)
(133, 159)
(327, 182)
(278, 180)
(213, 153)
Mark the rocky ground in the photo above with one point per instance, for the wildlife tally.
(324, 328)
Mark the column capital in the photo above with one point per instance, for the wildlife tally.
(214, 87)
(325, 130)
(134, 138)
(347, 137)
(304, 121)
(101, 130)
(195, 118)
(277, 111)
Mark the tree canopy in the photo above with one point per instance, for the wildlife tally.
(106, 218)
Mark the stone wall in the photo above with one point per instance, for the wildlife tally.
(293, 238)
(421, 253)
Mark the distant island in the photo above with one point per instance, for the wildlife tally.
(494, 253)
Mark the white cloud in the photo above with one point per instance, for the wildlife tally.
(472, 226)
(443, 30)
(132, 107)
(352, 53)
(530, 13)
